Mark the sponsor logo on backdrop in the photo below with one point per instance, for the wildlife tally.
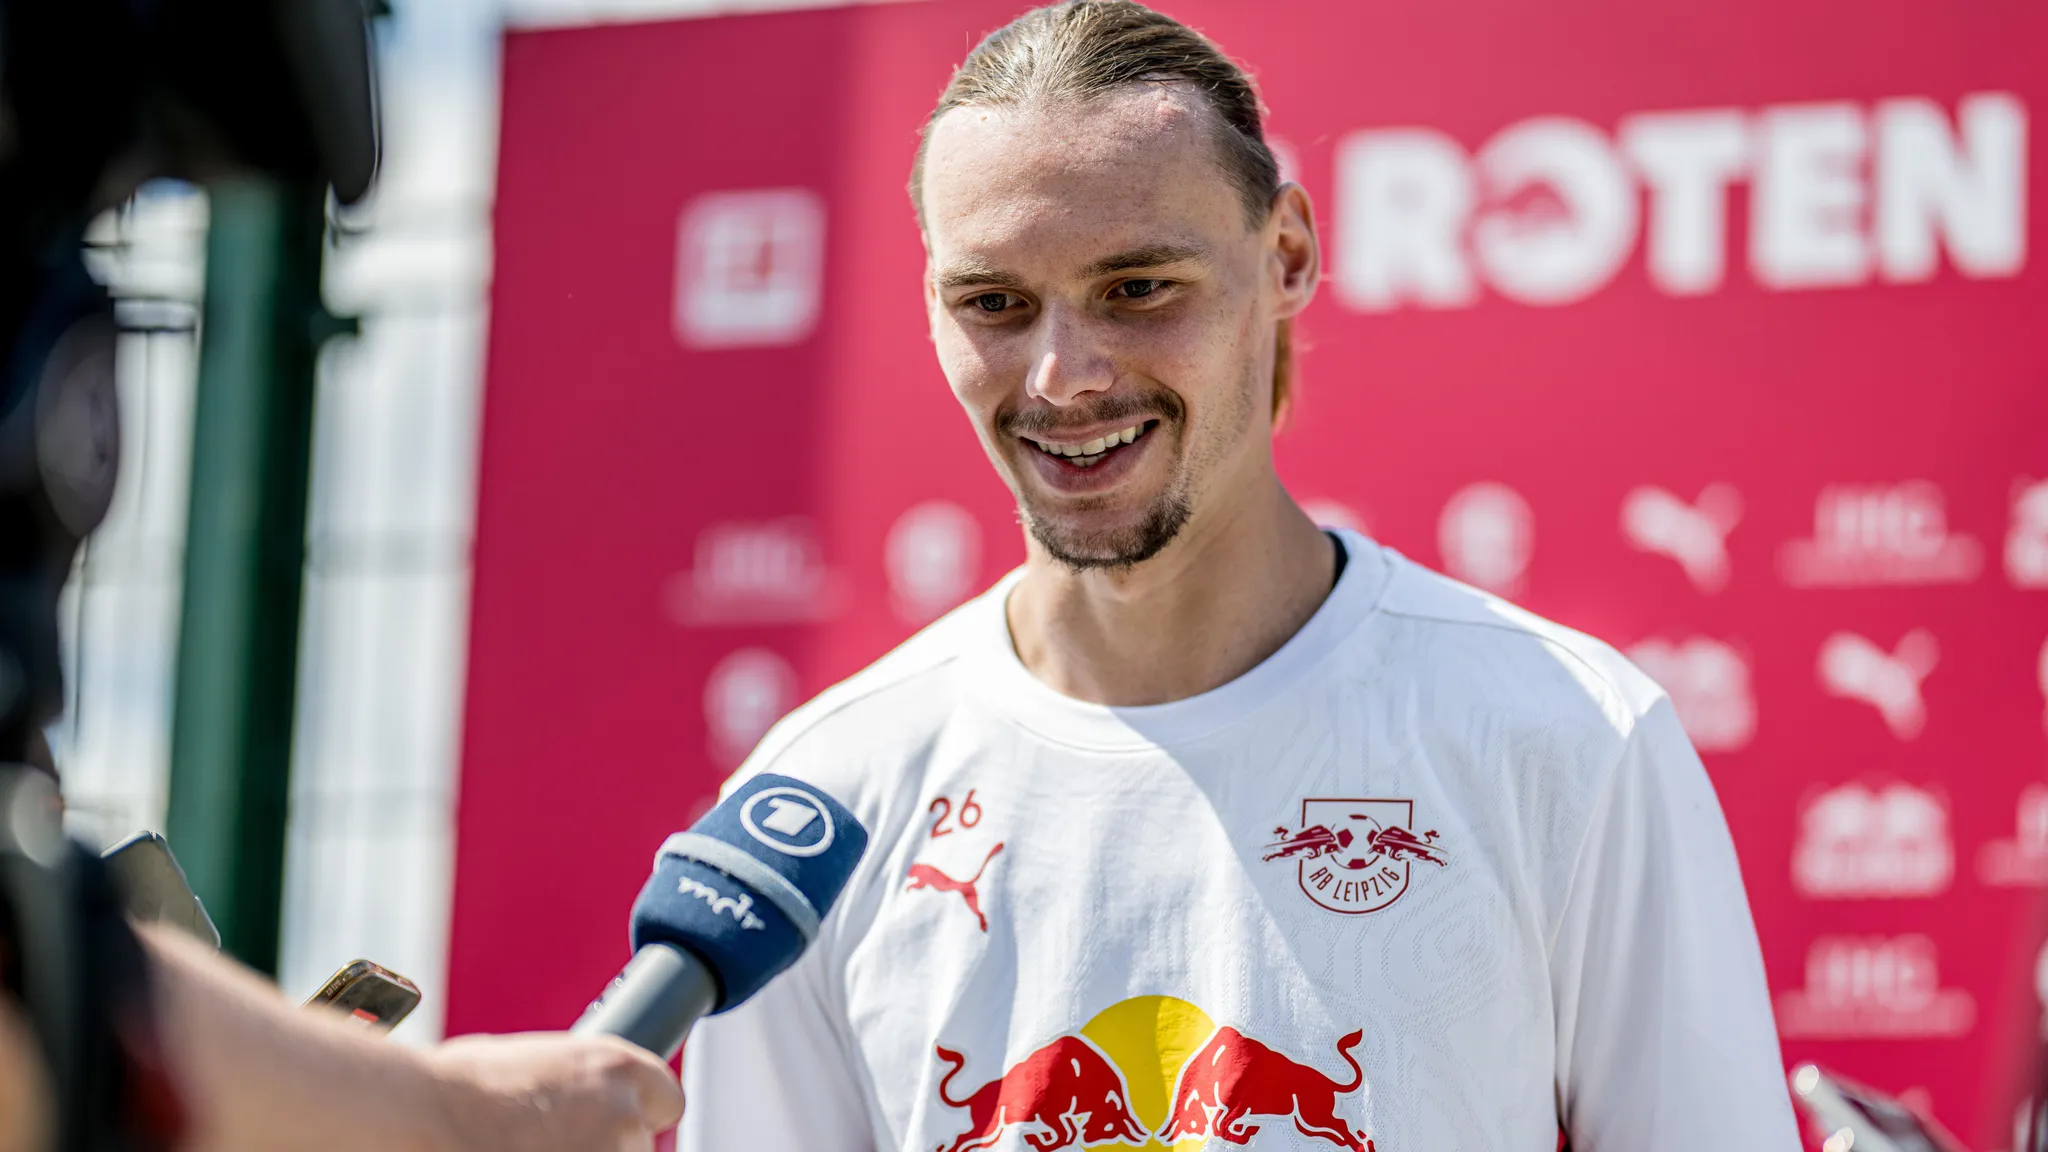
(1157, 1073)
(1550, 209)
(1486, 535)
(1355, 856)
(2026, 541)
(2041, 677)
(1708, 683)
(1694, 535)
(1880, 534)
(1857, 842)
(750, 268)
(1874, 987)
(746, 694)
(1335, 514)
(1853, 667)
(934, 560)
(2020, 860)
(767, 572)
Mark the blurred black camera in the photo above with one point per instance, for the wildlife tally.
(97, 97)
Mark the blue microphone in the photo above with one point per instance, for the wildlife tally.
(732, 902)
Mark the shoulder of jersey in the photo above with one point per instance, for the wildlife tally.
(1512, 658)
(853, 738)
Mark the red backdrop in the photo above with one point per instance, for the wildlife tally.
(1712, 330)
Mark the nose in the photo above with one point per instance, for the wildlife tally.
(1069, 360)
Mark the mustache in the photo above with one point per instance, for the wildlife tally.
(1047, 421)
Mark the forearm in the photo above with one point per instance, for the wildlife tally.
(261, 1074)
(24, 1089)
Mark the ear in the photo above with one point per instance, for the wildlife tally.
(1296, 258)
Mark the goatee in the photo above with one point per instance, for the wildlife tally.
(1084, 550)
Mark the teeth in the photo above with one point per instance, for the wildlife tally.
(1092, 447)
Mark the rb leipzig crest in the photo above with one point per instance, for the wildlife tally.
(1354, 856)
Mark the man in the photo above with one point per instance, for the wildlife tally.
(1206, 825)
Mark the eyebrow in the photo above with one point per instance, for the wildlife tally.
(966, 272)
(972, 272)
(1149, 256)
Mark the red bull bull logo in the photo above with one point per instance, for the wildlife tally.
(1234, 1078)
(1066, 1092)
(1154, 1073)
(1354, 856)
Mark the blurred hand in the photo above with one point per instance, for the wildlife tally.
(552, 1092)
(24, 1089)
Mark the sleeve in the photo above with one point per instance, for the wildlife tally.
(1665, 1037)
(774, 1074)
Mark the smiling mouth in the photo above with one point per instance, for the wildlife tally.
(1092, 452)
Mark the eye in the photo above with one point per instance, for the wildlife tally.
(992, 301)
(1137, 289)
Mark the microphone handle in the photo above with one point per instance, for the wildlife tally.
(657, 998)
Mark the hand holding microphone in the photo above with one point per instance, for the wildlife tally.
(732, 903)
(544, 1092)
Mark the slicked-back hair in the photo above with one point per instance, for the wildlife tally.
(1078, 49)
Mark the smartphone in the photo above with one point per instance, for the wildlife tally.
(1876, 1122)
(154, 887)
(369, 994)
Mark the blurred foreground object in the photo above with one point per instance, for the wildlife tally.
(96, 97)
(68, 956)
(268, 105)
(153, 887)
(24, 1086)
(369, 994)
(261, 1074)
(272, 102)
(1862, 1118)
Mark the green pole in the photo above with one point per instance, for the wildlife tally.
(231, 729)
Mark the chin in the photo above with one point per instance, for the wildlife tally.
(1085, 542)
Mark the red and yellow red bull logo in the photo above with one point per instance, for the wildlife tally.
(1155, 1073)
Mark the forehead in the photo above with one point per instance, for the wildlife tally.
(1067, 179)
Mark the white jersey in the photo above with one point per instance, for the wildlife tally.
(1438, 875)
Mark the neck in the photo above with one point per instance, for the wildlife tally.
(1207, 609)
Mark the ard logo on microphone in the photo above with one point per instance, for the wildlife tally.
(789, 820)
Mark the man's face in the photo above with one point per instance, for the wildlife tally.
(1105, 311)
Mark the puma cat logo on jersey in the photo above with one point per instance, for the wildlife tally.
(928, 876)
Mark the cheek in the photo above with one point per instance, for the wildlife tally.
(976, 365)
(1200, 355)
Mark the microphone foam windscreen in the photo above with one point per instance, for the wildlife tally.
(745, 888)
